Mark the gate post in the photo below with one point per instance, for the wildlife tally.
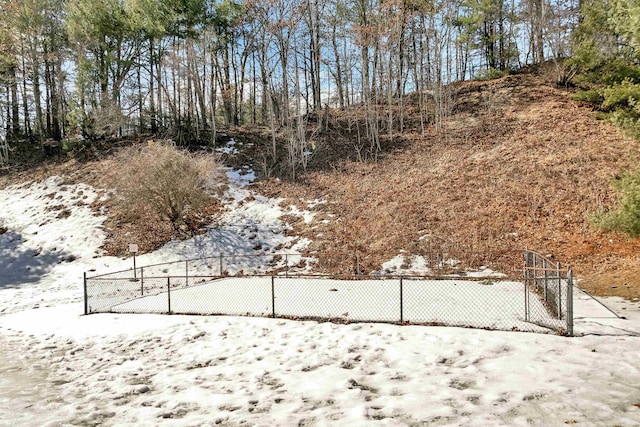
(559, 276)
(186, 274)
(535, 271)
(570, 303)
(169, 295)
(86, 299)
(273, 297)
(546, 275)
(526, 274)
(401, 302)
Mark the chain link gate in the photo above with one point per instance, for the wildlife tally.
(546, 280)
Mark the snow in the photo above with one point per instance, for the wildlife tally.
(419, 265)
(312, 204)
(306, 215)
(229, 148)
(143, 369)
(63, 368)
(241, 177)
(50, 221)
(401, 265)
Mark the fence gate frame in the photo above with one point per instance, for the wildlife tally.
(548, 280)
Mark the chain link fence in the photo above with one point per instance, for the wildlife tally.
(243, 286)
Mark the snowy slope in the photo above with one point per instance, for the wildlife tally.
(62, 368)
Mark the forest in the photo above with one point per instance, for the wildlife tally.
(77, 71)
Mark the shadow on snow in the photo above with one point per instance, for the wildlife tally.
(20, 264)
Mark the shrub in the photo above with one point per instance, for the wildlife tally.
(623, 95)
(605, 71)
(627, 120)
(626, 216)
(104, 122)
(620, 104)
(174, 184)
(591, 96)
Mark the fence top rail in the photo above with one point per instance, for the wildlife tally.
(363, 277)
(542, 257)
(104, 275)
(216, 257)
(552, 269)
(444, 252)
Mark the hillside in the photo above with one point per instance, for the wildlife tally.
(517, 165)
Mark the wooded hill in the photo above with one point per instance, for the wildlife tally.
(87, 69)
(517, 164)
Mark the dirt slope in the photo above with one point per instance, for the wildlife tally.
(518, 165)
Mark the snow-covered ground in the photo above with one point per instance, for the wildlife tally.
(62, 368)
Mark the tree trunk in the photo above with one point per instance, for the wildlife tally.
(338, 71)
(35, 69)
(152, 103)
(25, 105)
(539, 19)
(15, 107)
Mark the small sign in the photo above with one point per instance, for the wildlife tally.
(133, 248)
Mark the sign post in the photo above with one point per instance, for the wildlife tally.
(133, 248)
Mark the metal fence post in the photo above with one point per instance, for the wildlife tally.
(534, 260)
(186, 273)
(546, 276)
(286, 261)
(220, 262)
(169, 295)
(559, 276)
(142, 281)
(525, 273)
(570, 303)
(273, 297)
(401, 302)
(86, 299)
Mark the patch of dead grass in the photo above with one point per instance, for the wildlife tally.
(524, 173)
